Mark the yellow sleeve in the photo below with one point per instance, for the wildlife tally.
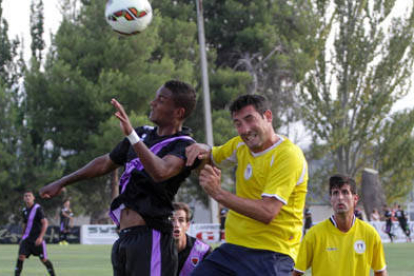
(305, 255)
(378, 258)
(227, 153)
(286, 172)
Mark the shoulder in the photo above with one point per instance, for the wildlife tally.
(319, 228)
(366, 226)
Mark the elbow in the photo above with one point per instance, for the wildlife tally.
(159, 176)
(267, 220)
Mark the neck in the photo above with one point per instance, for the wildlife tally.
(344, 221)
(168, 130)
(28, 205)
(181, 243)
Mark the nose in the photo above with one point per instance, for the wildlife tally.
(243, 128)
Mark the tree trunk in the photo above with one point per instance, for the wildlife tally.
(372, 192)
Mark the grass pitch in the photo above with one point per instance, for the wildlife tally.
(94, 260)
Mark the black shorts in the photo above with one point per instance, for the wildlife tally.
(28, 247)
(142, 251)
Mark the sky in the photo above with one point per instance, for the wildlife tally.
(17, 13)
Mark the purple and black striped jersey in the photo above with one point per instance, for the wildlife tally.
(32, 217)
(152, 200)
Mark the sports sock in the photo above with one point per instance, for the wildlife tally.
(49, 267)
(19, 267)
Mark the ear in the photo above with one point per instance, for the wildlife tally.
(268, 115)
(180, 112)
(356, 198)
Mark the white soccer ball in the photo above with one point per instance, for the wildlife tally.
(128, 17)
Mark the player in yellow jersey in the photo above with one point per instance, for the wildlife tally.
(341, 245)
(264, 224)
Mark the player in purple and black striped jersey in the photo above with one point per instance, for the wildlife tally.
(34, 229)
(191, 251)
(154, 160)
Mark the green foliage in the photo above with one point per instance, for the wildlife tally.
(356, 81)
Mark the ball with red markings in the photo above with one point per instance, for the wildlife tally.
(128, 17)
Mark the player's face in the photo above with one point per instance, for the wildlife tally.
(253, 128)
(163, 108)
(342, 200)
(28, 198)
(180, 224)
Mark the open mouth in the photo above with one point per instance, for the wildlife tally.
(176, 233)
(249, 137)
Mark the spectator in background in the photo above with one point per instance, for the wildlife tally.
(223, 215)
(191, 251)
(66, 222)
(341, 245)
(34, 229)
(308, 220)
(402, 220)
(375, 216)
(388, 217)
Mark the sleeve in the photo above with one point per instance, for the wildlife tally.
(226, 155)
(24, 218)
(305, 255)
(378, 256)
(288, 170)
(39, 213)
(119, 154)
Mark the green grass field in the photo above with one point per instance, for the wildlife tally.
(94, 260)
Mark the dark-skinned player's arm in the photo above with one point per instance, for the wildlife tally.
(158, 168)
(97, 167)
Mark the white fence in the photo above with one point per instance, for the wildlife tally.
(210, 232)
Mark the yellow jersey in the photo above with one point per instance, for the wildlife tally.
(330, 251)
(280, 172)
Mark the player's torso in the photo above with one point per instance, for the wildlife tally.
(342, 254)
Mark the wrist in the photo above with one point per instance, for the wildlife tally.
(133, 137)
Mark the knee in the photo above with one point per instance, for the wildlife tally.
(43, 260)
(22, 257)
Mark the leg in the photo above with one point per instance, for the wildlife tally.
(19, 265)
(49, 266)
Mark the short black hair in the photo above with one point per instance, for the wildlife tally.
(260, 103)
(184, 95)
(182, 206)
(338, 180)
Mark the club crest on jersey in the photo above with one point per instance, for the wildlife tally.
(195, 260)
(248, 172)
(360, 246)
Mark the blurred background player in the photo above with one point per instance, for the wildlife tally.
(34, 229)
(308, 220)
(154, 161)
(402, 220)
(66, 222)
(341, 245)
(388, 217)
(191, 251)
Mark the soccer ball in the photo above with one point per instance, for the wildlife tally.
(128, 17)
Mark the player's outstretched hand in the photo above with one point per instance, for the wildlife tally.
(197, 150)
(51, 190)
(123, 118)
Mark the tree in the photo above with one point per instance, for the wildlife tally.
(356, 80)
